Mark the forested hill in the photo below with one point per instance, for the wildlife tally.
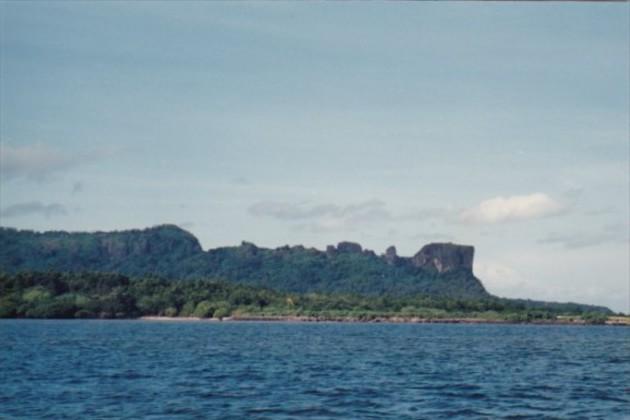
(102, 295)
(171, 252)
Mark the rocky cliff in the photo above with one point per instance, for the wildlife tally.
(168, 251)
(97, 251)
(159, 241)
(444, 257)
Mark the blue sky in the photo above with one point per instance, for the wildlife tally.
(500, 125)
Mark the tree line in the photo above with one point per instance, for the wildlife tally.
(103, 295)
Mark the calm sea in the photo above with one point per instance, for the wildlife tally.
(141, 369)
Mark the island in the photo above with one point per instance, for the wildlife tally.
(163, 273)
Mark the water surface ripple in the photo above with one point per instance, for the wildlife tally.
(162, 370)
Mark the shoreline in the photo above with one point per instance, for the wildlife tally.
(615, 321)
(379, 320)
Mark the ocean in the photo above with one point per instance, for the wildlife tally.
(279, 370)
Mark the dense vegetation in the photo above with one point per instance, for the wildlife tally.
(345, 280)
(170, 252)
(99, 295)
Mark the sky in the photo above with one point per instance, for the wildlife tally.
(499, 125)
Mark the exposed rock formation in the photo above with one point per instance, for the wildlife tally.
(158, 240)
(171, 252)
(444, 257)
(390, 255)
(248, 248)
(369, 253)
(349, 247)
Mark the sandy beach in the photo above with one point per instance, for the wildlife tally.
(616, 321)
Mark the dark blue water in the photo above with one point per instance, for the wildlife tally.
(139, 369)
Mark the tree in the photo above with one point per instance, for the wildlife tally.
(204, 309)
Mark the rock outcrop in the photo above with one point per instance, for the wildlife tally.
(349, 247)
(444, 257)
(390, 255)
(173, 253)
(158, 240)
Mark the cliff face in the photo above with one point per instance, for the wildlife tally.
(157, 241)
(171, 252)
(98, 251)
(349, 247)
(444, 257)
(391, 256)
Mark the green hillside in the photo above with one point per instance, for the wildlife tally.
(101, 295)
(171, 252)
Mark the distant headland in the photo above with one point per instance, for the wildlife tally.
(61, 274)
(438, 269)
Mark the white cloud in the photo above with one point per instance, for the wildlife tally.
(288, 211)
(433, 213)
(615, 233)
(498, 278)
(38, 162)
(516, 207)
(552, 274)
(31, 161)
(319, 218)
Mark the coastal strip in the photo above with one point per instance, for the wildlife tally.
(613, 321)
